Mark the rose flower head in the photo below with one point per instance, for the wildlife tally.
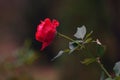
(46, 32)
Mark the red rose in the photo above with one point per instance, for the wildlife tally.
(46, 31)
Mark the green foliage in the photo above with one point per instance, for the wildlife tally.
(25, 55)
(100, 50)
(102, 77)
(14, 66)
(117, 68)
(117, 78)
(88, 40)
(88, 35)
(88, 61)
(80, 33)
(58, 55)
(80, 43)
(110, 79)
(82, 39)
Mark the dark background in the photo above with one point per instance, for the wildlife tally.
(19, 19)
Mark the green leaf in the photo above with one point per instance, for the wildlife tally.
(117, 78)
(100, 50)
(88, 40)
(88, 61)
(102, 77)
(109, 79)
(58, 55)
(80, 33)
(73, 46)
(30, 57)
(116, 68)
(66, 50)
(88, 35)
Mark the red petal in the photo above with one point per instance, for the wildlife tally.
(44, 44)
(55, 22)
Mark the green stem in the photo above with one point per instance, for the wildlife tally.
(66, 37)
(103, 68)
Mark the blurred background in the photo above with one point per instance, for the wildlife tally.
(18, 22)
